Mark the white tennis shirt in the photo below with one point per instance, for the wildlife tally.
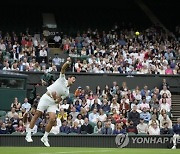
(60, 87)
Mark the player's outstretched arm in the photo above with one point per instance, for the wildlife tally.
(66, 65)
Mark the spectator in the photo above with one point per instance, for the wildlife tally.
(78, 91)
(165, 129)
(79, 120)
(110, 122)
(165, 106)
(165, 90)
(95, 105)
(118, 129)
(115, 115)
(153, 120)
(62, 115)
(16, 104)
(169, 71)
(64, 128)
(145, 115)
(101, 116)
(131, 128)
(77, 105)
(15, 121)
(142, 127)
(98, 127)
(3, 129)
(144, 104)
(124, 105)
(56, 128)
(11, 113)
(6, 68)
(115, 105)
(74, 113)
(86, 128)
(154, 129)
(26, 120)
(57, 40)
(167, 99)
(41, 128)
(75, 128)
(105, 107)
(164, 83)
(69, 121)
(21, 127)
(43, 55)
(106, 129)
(64, 106)
(166, 120)
(10, 128)
(93, 117)
(144, 91)
(26, 105)
(134, 116)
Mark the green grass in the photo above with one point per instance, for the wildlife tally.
(68, 150)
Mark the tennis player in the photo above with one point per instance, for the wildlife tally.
(56, 92)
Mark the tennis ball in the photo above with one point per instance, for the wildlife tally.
(137, 33)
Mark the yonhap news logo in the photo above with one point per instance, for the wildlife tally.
(122, 140)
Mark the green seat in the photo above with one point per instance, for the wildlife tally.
(17, 133)
(73, 133)
(39, 134)
(61, 133)
(2, 118)
(143, 134)
(52, 134)
(95, 134)
(2, 113)
(131, 133)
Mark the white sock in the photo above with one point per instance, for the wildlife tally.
(46, 134)
(29, 130)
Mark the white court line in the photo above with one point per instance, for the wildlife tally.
(66, 152)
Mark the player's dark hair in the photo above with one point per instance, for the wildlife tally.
(70, 76)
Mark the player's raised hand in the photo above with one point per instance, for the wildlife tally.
(69, 60)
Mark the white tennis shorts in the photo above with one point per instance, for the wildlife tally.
(47, 103)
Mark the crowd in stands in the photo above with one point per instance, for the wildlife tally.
(112, 109)
(152, 51)
(120, 50)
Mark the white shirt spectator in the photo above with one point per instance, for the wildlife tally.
(102, 117)
(6, 68)
(165, 91)
(93, 117)
(116, 106)
(165, 106)
(154, 131)
(80, 122)
(142, 128)
(26, 106)
(10, 114)
(64, 106)
(43, 53)
(56, 129)
(151, 121)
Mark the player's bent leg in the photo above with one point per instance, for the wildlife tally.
(32, 123)
(52, 119)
